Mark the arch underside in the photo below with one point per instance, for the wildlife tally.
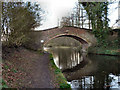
(72, 36)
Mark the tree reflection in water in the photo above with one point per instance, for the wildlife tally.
(87, 71)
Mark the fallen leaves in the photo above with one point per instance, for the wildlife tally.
(12, 76)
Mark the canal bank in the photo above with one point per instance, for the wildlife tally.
(104, 51)
(27, 68)
(60, 80)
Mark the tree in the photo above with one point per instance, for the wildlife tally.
(66, 21)
(98, 12)
(77, 18)
(18, 19)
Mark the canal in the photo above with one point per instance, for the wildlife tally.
(84, 70)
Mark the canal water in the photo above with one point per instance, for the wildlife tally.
(87, 71)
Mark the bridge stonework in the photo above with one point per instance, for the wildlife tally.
(85, 36)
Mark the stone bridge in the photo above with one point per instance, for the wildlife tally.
(84, 36)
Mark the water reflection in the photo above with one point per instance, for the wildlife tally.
(87, 71)
(66, 57)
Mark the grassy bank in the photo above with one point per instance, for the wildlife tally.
(59, 77)
(4, 85)
(104, 51)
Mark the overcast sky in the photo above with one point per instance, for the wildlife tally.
(55, 9)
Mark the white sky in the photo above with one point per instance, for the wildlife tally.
(113, 13)
(55, 9)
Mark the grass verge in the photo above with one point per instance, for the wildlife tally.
(4, 85)
(104, 51)
(61, 80)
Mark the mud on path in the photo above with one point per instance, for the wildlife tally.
(26, 68)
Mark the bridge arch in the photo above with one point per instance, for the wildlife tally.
(78, 38)
(42, 37)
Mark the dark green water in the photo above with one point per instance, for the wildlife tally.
(87, 71)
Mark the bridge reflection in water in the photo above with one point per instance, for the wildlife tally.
(86, 71)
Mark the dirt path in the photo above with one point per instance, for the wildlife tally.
(41, 73)
(27, 69)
